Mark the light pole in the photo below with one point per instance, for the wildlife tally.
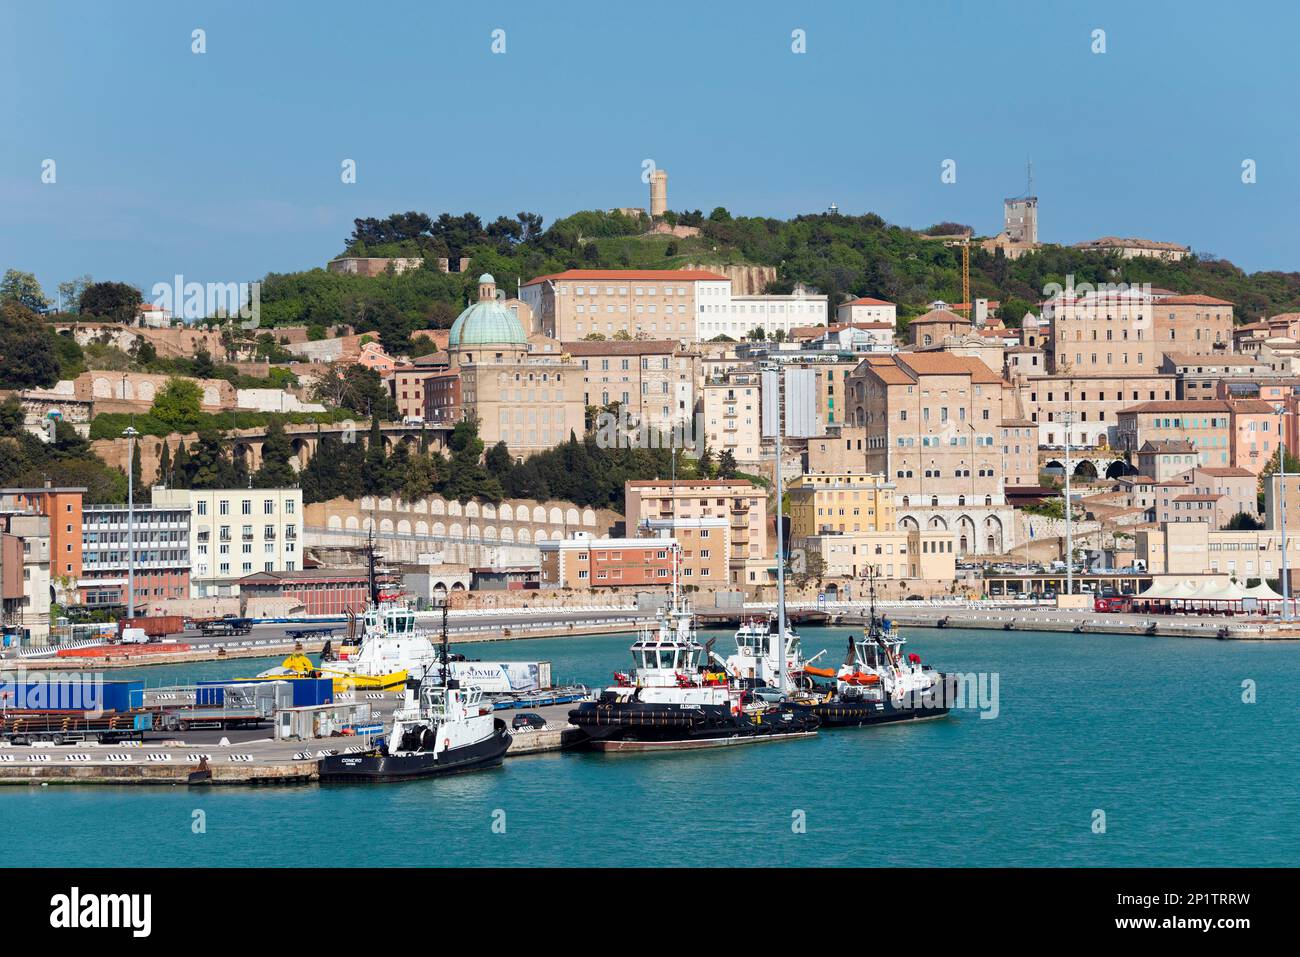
(130, 434)
(1067, 419)
(1281, 509)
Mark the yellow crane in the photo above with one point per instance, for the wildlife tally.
(964, 243)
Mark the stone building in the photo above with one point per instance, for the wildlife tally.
(653, 379)
(933, 423)
(529, 401)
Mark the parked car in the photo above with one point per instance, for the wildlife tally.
(529, 721)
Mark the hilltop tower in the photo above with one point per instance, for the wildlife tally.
(658, 193)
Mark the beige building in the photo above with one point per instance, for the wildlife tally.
(892, 556)
(844, 503)
(236, 532)
(1198, 548)
(842, 451)
(529, 401)
(732, 413)
(657, 303)
(1129, 331)
(1092, 401)
(1019, 438)
(933, 425)
(653, 379)
(1133, 248)
(725, 517)
(867, 310)
(935, 326)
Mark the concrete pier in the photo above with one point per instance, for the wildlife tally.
(254, 760)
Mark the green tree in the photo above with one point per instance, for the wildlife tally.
(727, 465)
(179, 404)
(28, 352)
(499, 461)
(111, 301)
(23, 288)
(276, 471)
(70, 291)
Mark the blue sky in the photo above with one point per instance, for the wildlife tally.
(225, 166)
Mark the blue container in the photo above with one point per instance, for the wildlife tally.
(75, 695)
(308, 692)
(210, 696)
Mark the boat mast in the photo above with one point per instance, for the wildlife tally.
(370, 568)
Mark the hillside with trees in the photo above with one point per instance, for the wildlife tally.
(842, 256)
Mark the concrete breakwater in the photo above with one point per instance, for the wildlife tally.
(1064, 620)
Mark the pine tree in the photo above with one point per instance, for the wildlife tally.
(276, 470)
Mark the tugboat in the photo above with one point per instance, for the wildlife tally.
(442, 728)
(672, 700)
(877, 685)
(756, 662)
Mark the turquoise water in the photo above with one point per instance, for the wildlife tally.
(1152, 731)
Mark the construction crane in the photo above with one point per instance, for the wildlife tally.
(964, 243)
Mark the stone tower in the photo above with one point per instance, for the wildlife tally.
(658, 192)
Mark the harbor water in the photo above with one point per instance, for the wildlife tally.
(1105, 751)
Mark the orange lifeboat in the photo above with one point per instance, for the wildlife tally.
(820, 672)
(861, 679)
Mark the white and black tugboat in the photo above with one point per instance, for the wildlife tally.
(674, 699)
(879, 684)
(443, 727)
(756, 662)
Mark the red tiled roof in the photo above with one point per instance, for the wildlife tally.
(1193, 300)
(630, 275)
(867, 301)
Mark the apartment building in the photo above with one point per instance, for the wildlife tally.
(843, 503)
(408, 384)
(161, 537)
(843, 450)
(1193, 325)
(1093, 403)
(236, 532)
(1243, 433)
(1213, 495)
(585, 562)
(867, 310)
(887, 555)
(726, 518)
(1200, 377)
(732, 412)
(653, 379)
(1101, 332)
(658, 303)
(933, 424)
(1019, 439)
(689, 304)
(62, 506)
(1195, 548)
(1131, 330)
(1162, 459)
(25, 576)
(721, 313)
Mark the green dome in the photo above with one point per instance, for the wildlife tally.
(486, 323)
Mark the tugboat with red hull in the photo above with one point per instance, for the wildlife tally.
(673, 700)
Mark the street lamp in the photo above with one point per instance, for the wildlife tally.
(1067, 419)
(130, 433)
(1281, 485)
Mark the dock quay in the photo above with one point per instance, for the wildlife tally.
(247, 758)
(1081, 622)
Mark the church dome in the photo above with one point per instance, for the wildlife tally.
(486, 322)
